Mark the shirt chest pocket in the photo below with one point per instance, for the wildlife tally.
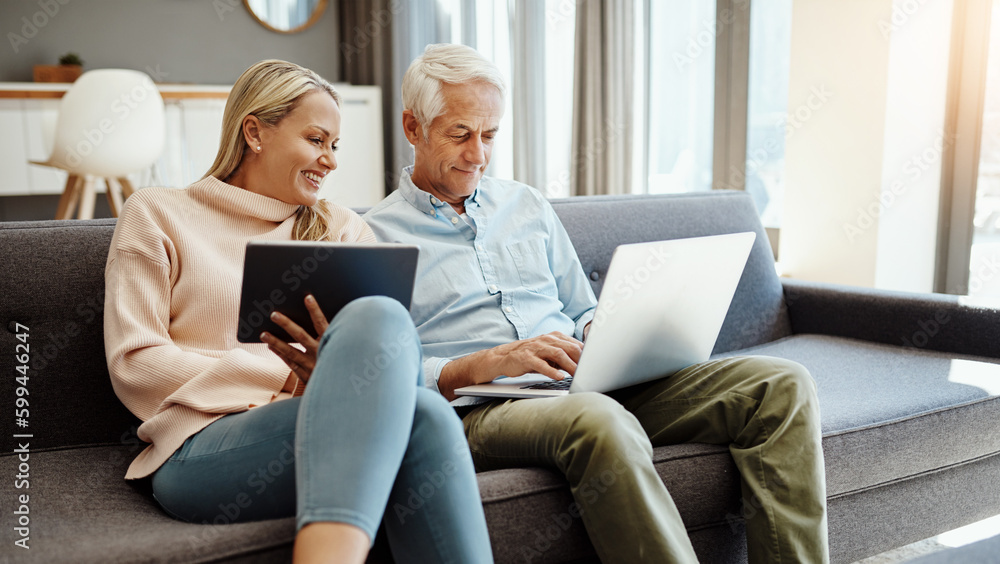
(532, 264)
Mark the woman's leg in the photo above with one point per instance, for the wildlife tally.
(335, 450)
(239, 468)
(242, 468)
(356, 414)
(345, 439)
(435, 513)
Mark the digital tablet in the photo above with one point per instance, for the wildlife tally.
(278, 275)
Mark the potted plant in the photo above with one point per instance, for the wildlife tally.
(70, 68)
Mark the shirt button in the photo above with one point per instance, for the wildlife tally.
(479, 248)
(508, 309)
(454, 220)
(434, 200)
(493, 287)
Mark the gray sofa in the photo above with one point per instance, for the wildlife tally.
(909, 423)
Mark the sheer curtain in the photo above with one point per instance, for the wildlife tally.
(604, 96)
(528, 91)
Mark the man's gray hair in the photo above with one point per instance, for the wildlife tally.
(445, 62)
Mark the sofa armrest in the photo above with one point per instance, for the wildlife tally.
(939, 322)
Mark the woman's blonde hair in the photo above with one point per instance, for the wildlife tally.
(270, 90)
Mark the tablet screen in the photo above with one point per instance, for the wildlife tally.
(279, 275)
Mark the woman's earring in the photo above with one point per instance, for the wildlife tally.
(258, 148)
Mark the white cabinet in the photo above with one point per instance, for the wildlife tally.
(359, 180)
(193, 128)
(27, 126)
(39, 132)
(13, 155)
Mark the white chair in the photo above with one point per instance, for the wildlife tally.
(110, 124)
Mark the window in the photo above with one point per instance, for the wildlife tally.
(681, 95)
(560, 26)
(984, 266)
(768, 122)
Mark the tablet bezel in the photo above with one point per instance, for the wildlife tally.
(280, 274)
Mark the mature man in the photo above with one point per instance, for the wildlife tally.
(500, 291)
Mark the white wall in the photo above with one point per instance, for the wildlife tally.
(837, 106)
(920, 37)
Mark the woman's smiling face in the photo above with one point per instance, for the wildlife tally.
(298, 152)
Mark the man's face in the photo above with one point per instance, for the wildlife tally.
(450, 162)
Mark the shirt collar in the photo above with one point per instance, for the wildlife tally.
(425, 201)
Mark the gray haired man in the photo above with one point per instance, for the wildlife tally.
(500, 291)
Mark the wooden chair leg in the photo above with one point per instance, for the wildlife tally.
(114, 193)
(87, 198)
(69, 198)
(127, 188)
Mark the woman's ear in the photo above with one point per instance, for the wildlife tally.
(252, 128)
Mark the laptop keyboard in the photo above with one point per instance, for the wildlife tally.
(553, 385)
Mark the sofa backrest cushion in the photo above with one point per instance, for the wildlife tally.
(53, 283)
(598, 224)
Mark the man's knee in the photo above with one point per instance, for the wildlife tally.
(794, 378)
(790, 389)
(777, 372)
(600, 426)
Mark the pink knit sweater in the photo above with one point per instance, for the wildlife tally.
(172, 299)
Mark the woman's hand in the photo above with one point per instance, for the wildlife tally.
(301, 362)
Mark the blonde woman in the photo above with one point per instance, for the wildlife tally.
(242, 432)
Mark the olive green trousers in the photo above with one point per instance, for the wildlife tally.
(764, 409)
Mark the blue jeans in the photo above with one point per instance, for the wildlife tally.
(366, 443)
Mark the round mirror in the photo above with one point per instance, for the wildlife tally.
(286, 16)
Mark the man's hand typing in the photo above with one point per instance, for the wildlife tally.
(545, 354)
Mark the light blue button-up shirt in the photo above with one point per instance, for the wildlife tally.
(503, 271)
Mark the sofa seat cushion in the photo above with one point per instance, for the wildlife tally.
(81, 511)
(890, 413)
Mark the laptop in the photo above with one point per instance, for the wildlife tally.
(661, 310)
(278, 275)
